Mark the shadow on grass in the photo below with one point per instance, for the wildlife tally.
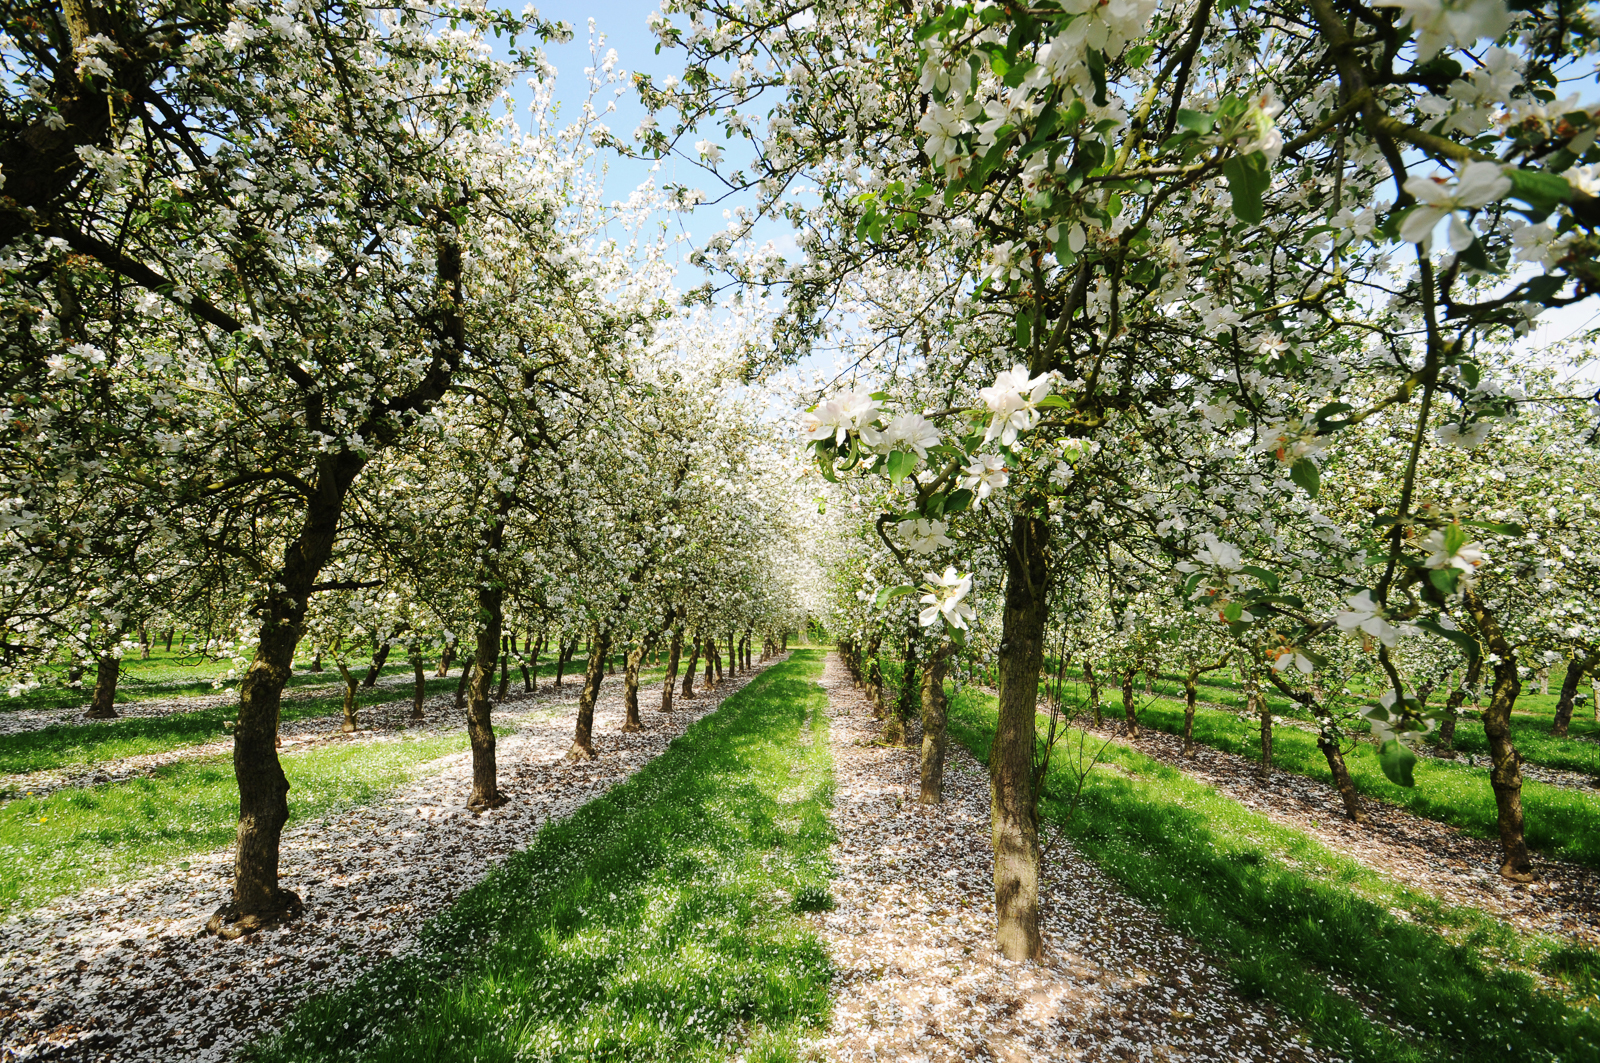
(656, 923)
(94, 743)
(1560, 822)
(1288, 918)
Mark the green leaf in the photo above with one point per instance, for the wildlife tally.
(1542, 289)
(1305, 473)
(889, 594)
(1268, 578)
(1024, 329)
(1140, 54)
(1097, 71)
(1445, 579)
(901, 464)
(1397, 761)
(1248, 181)
(958, 501)
(1330, 411)
(1539, 189)
(934, 509)
(1514, 530)
(1468, 644)
(1196, 121)
(1055, 400)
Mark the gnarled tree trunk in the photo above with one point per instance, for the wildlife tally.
(1452, 708)
(419, 677)
(694, 662)
(674, 656)
(351, 685)
(1506, 774)
(630, 681)
(583, 736)
(107, 670)
(379, 656)
(1577, 668)
(1131, 717)
(935, 716)
(1013, 800)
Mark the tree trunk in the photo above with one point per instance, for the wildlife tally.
(144, 642)
(420, 676)
(1452, 708)
(582, 739)
(674, 655)
(561, 661)
(446, 655)
(1506, 774)
(491, 617)
(351, 685)
(505, 669)
(935, 735)
(106, 673)
(379, 656)
(463, 684)
(1094, 692)
(1013, 800)
(1258, 701)
(316, 661)
(523, 663)
(909, 689)
(1328, 742)
(688, 673)
(785, 647)
(630, 683)
(1577, 668)
(170, 633)
(1189, 682)
(1128, 712)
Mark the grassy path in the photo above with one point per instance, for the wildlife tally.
(656, 923)
(1560, 822)
(1368, 969)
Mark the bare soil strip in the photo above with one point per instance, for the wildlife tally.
(912, 935)
(122, 973)
(1424, 854)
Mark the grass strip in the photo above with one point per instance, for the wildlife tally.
(1559, 822)
(656, 923)
(1289, 919)
(65, 745)
(81, 837)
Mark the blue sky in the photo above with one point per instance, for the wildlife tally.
(624, 26)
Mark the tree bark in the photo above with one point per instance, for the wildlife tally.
(567, 649)
(630, 682)
(1328, 742)
(505, 669)
(583, 737)
(1128, 712)
(688, 673)
(1506, 774)
(1094, 692)
(446, 656)
(1013, 799)
(463, 684)
(491, 616)
(379, 656)
(935, 719)
(420, 676)
(103, 706)
(1189, 682)
(1452, 708)
(909, 684)
(1577, 668)
(170, 632)
(316, 662)
(144, 642)
(1258, 701)
(674, 655)
(351, 685)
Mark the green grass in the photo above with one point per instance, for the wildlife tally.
(1562, 823)
(656, 923)
(1285, 916)
(96, 743)
(1580, 752)
(66, 745)
(177, 675)
(80, 837)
